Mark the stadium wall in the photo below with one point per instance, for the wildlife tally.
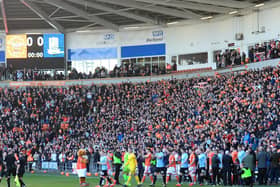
(196, 38)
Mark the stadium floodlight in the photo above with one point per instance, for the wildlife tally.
(259, 5)
(206, 18)
(173, 23)
(131, 28)
(83, 31)
(233, 12)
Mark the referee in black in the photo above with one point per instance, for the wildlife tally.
(2, 166)
(21, 162)
(10, 163)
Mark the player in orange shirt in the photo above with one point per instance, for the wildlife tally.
(192, 168)
(171, 170)
(210, 156)
(147, 170)
(234, 155)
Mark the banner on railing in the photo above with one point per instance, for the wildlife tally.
(36, 83)
(49, 165)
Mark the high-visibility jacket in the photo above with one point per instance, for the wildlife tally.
(117, 160)
(246, 173)
(153, 162)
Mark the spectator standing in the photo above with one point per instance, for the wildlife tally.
(262, 158)
(275, 157)
(96, 158)
(215, 167)
(70, 159)
(62, 158)
(227, 168)
(89, 160)
(250, 162)
(36, 158)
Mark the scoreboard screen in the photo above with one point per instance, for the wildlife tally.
(41, 51)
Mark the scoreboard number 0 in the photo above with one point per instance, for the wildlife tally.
(40, 41)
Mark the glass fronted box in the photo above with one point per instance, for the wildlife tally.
(143, 66)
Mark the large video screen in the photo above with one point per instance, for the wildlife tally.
(30, 51)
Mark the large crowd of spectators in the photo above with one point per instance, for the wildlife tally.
(225, 112)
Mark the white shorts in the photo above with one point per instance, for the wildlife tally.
(82, 172)
(192, 170)
(171, 171)
(147, 170)
(178, 167)
(210, 170)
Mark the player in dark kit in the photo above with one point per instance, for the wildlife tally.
(10, 166)
(2, 166)
(21, 162)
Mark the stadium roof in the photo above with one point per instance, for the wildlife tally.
(76, 15)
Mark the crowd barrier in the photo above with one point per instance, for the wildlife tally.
(55, 167)
(180, 75)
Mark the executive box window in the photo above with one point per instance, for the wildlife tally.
(193, 59)
(97, 61)
(143, 60)
(143, 66)
(87, 66)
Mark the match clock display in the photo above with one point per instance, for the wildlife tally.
(35, 46)
(41, 51)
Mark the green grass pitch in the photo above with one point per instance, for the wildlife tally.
(49, 180)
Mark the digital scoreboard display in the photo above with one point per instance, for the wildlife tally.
(30, 51)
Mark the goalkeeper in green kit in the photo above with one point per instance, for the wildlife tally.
(125, 167)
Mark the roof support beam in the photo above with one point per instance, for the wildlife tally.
(81, 20)
(23, 19)
(109, 9)
(227, 3)
(3, 10)
(54, 12)
(95, 14)
(37, 10)
(189, 5)
(83, 14)
(162, 10)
